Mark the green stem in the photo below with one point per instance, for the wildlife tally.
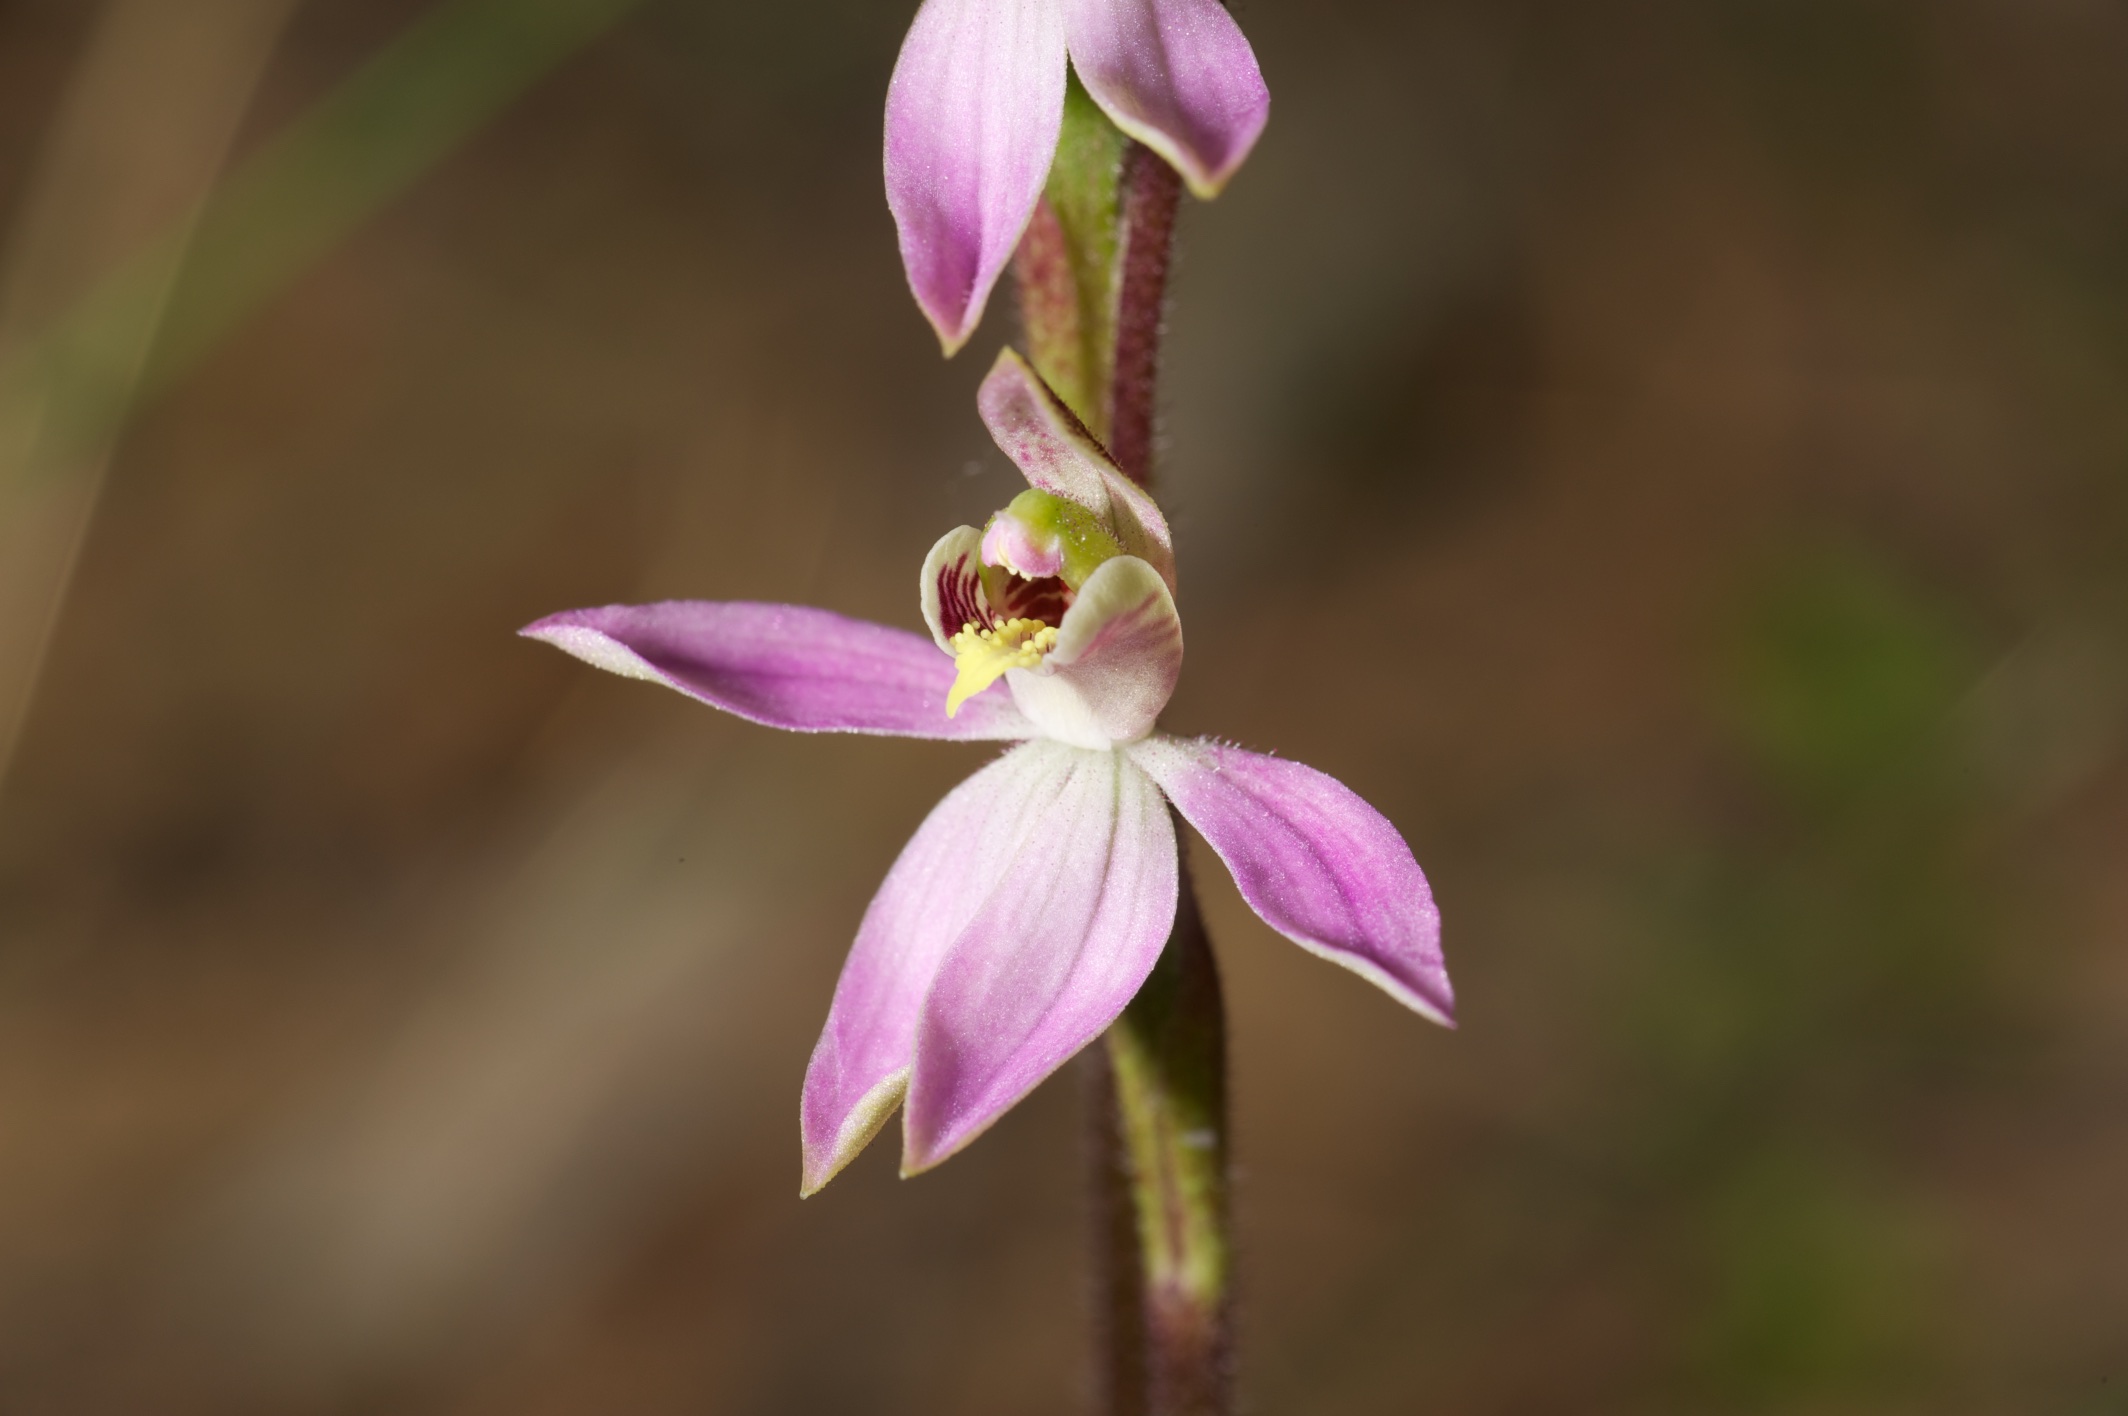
(1160, 1182)
(1092, 275)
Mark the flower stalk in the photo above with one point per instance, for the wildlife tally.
(1151, 193)
(1092, 277)
(1157, 1105)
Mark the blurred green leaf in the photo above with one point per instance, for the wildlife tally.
(298, 197)
(1819, 1282)
(1843, 674)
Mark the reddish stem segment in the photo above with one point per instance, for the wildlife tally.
(1120, 1336)
(1151, 191)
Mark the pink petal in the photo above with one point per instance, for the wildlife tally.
(1056, 453)
(1051, 958)
(1117, 657)
(1177, 75)
(972, 117)
(1318, 864)
(952, 864)
(785, 666)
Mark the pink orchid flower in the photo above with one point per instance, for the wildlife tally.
(977, 100)
(1032, 903)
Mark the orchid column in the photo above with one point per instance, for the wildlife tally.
(1161, 91)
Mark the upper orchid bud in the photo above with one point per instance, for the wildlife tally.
(1041, 534)
(976, 107)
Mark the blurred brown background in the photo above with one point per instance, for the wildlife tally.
(1670, 455)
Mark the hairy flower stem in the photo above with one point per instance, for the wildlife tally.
(1158, 1113)
(1151, 192)
(1092, 276)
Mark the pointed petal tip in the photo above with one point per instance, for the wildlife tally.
(1205, 183)
(920, 1156)
(1425, 991)
(922, 1152)
(1206, 186)
(815, 1170)
(972, 114)
(817, 1166)
(912, 1168)
(1428, 994)
(569, 633)
(1432, 998)
(544, 628)
(952, 302)
(952, 339)
(1011, 365)
(1205, 189)
(823, 1153)
(954, 314)
(593, 646)
(1443, 1009)
(1440, 1010)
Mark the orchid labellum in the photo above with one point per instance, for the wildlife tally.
(977, 98)
(1033, 902)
